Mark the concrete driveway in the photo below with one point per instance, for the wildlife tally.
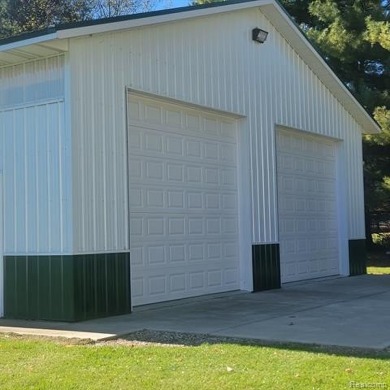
(352, 312)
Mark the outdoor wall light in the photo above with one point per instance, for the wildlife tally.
(259, 35)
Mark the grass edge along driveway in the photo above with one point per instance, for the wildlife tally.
(41, 363)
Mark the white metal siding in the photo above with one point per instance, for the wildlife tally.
(100, 192)
(32, 82)
(210, 61)
(35, 163)
(35, 158)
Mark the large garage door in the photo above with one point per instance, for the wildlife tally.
(183, 201)
(307, 199)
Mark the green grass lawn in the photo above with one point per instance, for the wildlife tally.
(34, 363)
(378, 270)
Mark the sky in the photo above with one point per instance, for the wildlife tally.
(172, 4)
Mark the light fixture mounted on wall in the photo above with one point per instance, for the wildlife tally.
(259, 35)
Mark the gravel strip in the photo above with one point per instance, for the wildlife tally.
(147, 337)
(165, 338)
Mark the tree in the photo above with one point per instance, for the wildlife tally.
(5, 25)
(111, 8)
(19, 16)
(352, 37)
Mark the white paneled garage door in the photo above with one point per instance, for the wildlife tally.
(183, 201)
(307, 199)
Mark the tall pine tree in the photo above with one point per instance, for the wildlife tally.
(354, 37)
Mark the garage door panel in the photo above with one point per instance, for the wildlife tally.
(177, 200)
(168, 281)
(305, 205)
(183, 202)
(192, 256)
(195, 127)
(301, 225)
(151, 227)
(291, 183)
(152, 170)
(307, 200)
(178, 143)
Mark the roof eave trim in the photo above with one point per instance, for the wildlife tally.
(158, 19)
(29, 42)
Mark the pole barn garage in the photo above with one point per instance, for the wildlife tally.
(173, 154)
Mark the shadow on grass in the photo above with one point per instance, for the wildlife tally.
(378, 262)
(379, 257)
(153, 337)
